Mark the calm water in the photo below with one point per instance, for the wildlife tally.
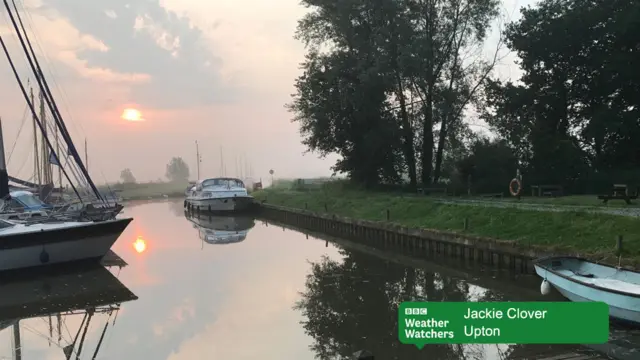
(274, 295)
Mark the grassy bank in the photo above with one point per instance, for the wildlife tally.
(147, 190)
(591, 234)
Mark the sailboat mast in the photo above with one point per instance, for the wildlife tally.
(198, 159)
(4, 176)
(221, 163)
(86, 154)
(36, 155)
(60, 165)
(46, 167)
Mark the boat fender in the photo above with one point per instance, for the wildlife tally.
(545, 287)
(44, 256)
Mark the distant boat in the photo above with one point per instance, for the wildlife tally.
(222, 195)
(221, 229)
(25, 205)
(191, 187)
(578, 279)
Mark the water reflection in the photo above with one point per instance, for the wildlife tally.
(216, 229)
(47, 304)
(352, 305)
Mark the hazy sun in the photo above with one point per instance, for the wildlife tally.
(140, 245)
(132, 115)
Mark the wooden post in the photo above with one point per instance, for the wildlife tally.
(619, 249)
(619, 245)
(465, 224)
(388, 215)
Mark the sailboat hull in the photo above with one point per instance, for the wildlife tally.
(50, 246)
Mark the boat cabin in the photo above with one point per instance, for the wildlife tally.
(228, 183)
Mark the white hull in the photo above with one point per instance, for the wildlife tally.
(228, 204)
(61, 252)
(622, 307)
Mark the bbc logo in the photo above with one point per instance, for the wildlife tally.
(415, 311)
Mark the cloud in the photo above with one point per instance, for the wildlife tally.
(164, 58)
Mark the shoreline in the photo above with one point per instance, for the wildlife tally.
(509, 231)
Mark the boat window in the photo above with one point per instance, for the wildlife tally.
(222, 182)
(212, 182)
(15, 205)
(29, 200)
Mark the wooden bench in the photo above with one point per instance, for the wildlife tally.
(620, 192)
(430, 190)
(492, 195)
(546, 190)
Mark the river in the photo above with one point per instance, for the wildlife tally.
(277, 294)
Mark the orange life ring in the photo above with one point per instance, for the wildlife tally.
(515, 181)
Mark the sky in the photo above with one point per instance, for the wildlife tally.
(218, 72)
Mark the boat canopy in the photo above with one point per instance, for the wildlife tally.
(28, 200)
(222, 181)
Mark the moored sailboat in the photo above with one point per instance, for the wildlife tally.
(50, 240)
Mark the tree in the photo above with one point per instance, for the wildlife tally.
(127, 176)
(177, 170)
(367, 61)
(574, 116)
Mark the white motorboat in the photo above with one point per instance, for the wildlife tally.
(578, 279)
(24, 244)
(224, 195)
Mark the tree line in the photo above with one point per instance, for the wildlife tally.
(388, 85)
(177, 171)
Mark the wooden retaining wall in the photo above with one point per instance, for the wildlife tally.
(502, 254)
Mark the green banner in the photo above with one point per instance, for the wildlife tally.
(422, 323)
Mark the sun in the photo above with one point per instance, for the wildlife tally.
(140, 245)
(131, 115)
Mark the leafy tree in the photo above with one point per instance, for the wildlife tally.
(490, 166)
(126, 176)
(369, 62)
(177, 170)
(574, 116)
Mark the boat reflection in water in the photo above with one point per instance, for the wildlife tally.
(219, 229)
(54, 296)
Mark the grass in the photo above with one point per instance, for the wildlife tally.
(575, 200)
(590, 234)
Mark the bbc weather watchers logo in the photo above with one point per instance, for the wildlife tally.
(415, 311)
